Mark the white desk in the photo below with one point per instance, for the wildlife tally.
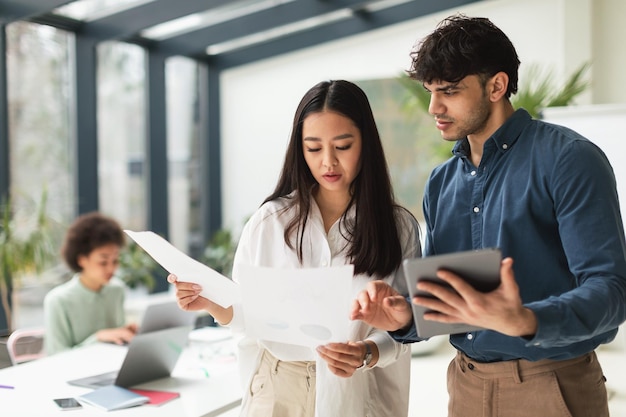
(205, 376)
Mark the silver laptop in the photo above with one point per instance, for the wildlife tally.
(165, 314)
(150, 356)
(481, 268)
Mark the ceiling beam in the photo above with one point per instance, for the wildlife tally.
(12, 10)
(194, 43)
(128, 23)
(359, 23)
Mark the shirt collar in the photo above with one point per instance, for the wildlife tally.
(315, 216)
(86, 292)
(503, 138)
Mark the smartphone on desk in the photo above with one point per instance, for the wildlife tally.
(67, 403)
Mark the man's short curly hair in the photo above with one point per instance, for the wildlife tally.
(462, 46)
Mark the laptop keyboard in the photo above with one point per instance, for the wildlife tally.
(103, 380)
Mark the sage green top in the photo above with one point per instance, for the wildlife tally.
(73, 313)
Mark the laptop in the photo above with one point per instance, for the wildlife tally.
(481, 268)
(163, 315)
(150, 356)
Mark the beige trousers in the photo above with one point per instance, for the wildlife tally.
(281, 389)
(520, 388)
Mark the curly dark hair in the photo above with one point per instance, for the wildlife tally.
(88, 232)
(462, 46)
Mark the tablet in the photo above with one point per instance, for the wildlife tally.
(480, 268)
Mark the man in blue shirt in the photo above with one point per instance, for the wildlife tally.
(544, 195)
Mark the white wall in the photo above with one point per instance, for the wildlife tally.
(258, 100)
(609, 50)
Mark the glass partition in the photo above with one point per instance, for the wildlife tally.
(183, 153)
(121, 133)
(39, 81)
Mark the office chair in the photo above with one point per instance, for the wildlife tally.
(26, 345)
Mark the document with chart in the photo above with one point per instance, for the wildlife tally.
(304, 306)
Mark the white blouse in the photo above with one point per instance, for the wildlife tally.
(377, 392)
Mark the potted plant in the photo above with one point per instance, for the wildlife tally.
(26, 246)
(137, 268)
(220, 252)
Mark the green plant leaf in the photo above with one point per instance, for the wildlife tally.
(27, 246)
(219, 253)
(136, 267)
(538, 90)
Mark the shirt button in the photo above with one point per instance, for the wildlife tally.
(470, 336)
(505, 146)
(476, 209)
(324, 263)
(473, 173)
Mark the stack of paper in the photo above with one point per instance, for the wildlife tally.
(113, 397)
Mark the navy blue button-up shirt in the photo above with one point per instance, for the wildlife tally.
(546, 197)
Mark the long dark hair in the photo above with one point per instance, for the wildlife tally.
(374, 241)
(462, 46)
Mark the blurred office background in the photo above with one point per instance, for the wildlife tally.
(173, 116)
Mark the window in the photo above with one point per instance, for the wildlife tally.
(183, 153)
(121, 133)
(40, 140)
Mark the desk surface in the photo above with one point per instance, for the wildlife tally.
(205, 376)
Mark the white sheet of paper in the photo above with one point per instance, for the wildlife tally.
(305, 307)
(215, 286)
